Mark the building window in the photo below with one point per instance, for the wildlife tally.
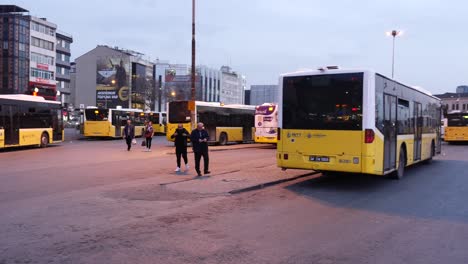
(42, 29)
(42, 74)
(40, 43)
(456, 106)
(42, 59)
(5, 44)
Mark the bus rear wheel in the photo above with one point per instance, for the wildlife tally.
(44, 140)
(400, 171)
(223, 139)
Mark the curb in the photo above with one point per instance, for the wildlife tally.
(269, 184)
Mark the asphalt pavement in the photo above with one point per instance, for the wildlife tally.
(91, 201)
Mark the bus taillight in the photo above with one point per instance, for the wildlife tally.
(278, 134)
(369, 136)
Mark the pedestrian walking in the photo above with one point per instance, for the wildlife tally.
(180, 137)
(129, 134)
(149, 132)
(199, 138)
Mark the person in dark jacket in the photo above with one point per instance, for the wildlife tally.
(149, 132)
(129, 134)
(180, 137)
(199, 138)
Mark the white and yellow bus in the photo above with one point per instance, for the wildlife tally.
(159, 120)
(27, 120)
(457, 127)
(110, 123)
(355, 121)
(266, 123)
(224, 123)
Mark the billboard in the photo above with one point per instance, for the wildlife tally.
(112, 82)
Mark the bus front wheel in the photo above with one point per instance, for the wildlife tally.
(223, 139)
(429, 160)
(44, 140)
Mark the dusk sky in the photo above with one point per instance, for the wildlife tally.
(264, 38)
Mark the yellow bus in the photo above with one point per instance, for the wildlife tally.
(355, 121)
(224, 123)
(27, 120)
(266, 123)
(457, 127)
(159, 120)
(109, 123)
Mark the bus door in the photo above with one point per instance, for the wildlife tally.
(417, 131)
(390, 131)
(11, 125)
(57, 125)
(247, 133)
(117, 120)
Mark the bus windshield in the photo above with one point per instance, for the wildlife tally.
(457, 120)
(96, 114)
(324, 102)
(178, 112)
(265, 110)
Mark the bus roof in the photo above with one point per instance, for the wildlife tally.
(27, 98)
(457, 112)
(216, 104)
(127, 109)
(268, 104)
(324, 70)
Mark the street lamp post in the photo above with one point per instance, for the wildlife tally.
(192, 104)
(193, 51)
(393, 33)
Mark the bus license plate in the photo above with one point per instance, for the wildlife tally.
(319, 159)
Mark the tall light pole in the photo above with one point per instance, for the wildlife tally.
(192, 101)
(394, 33)
(193, 50)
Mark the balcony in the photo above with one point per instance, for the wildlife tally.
(60, 76)
(61, 49)
(62, 63)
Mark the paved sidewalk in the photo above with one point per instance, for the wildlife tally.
(233, 181)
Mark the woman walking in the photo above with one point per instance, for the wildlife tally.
(149, 132)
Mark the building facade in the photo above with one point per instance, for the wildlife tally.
(108, 77)
(462, 89)
(211, 84)
(260, 94)
(42, 58)
(454, 102)
(63, 67)
(174, 82)
(232, 86)
(247, 97)
(14, 67)
(29, 55)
